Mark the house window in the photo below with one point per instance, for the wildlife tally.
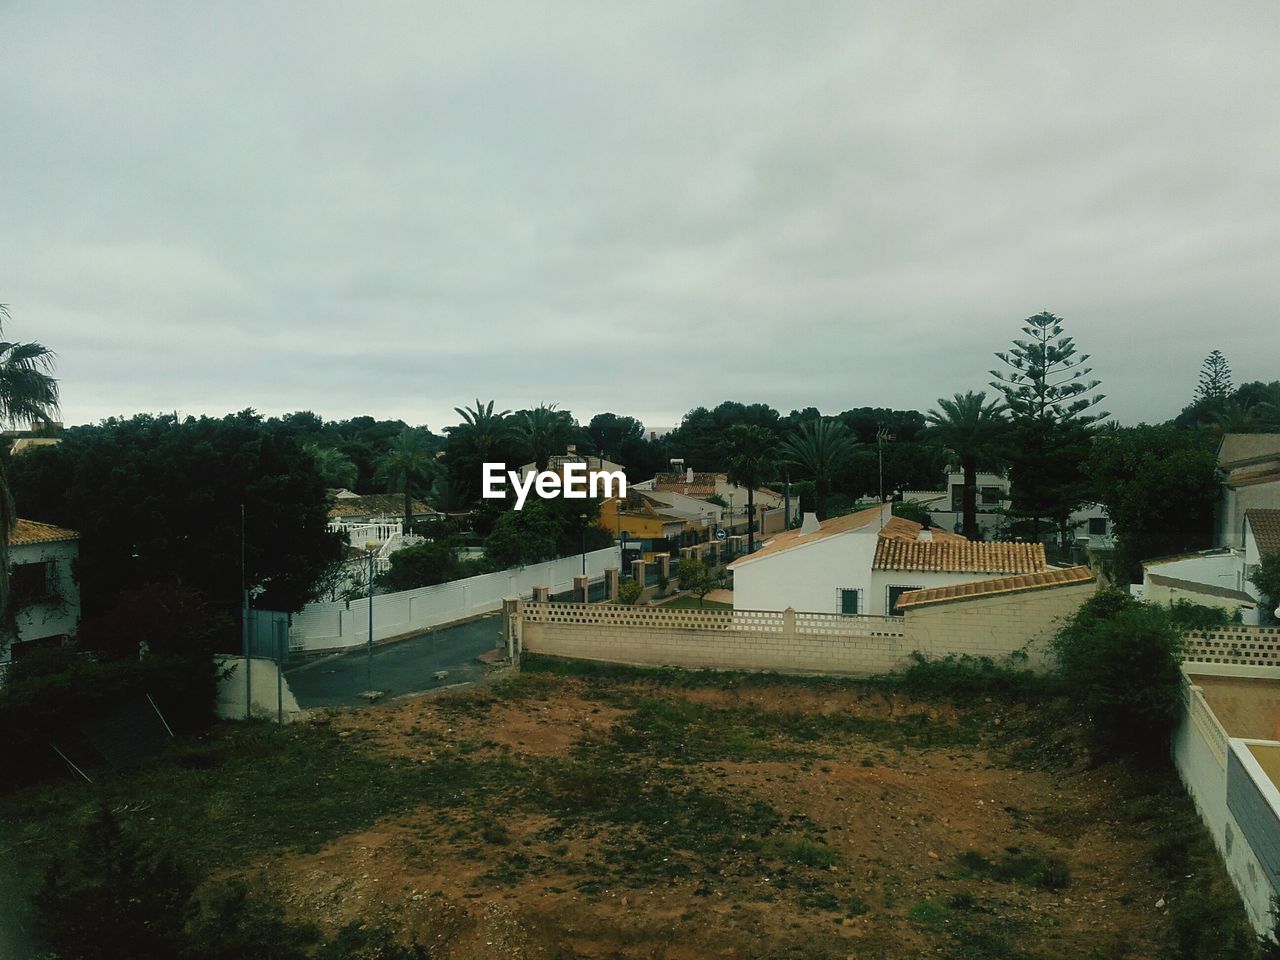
(32, 582)
(850, 601)
(991, 496)
(894, 594)
(1097, 526)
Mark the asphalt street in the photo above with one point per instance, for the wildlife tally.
(404, 667)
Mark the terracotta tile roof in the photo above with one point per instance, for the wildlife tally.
(1056, 577)
(828, 528)
(900, 528)
(29, 531)
(374, 505)
(1239, 449)
(1265, 525)
(967, 556)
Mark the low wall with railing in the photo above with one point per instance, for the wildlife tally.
(1238, 802)
(331, 626)
(765, 640)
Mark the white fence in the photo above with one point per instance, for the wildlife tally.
(328, 626)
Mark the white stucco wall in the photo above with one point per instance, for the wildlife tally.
(808, 577)
(56, 619)
(1232, 507)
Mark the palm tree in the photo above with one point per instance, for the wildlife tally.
(473, 442)
(971, 430)
(485, 427)
(28, 395)
(820, 448)
(334, 466)
(1236, 416)
(749, 456)
(544, 432)
(407, 462)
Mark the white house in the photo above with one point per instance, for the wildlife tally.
(769, 504)
(1261, 537)
(862, 563)
(1250, 463)
(1211, 578)
(946, 508)
(43, 587)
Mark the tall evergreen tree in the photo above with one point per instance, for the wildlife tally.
(1215, 379)
(1051, 400)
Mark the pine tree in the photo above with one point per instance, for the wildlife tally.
(1215, 379)
(1049, 399)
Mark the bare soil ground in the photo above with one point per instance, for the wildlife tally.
(644, 819)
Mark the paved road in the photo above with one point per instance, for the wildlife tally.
(403, 667)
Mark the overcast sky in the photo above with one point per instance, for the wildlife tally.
(394, 209)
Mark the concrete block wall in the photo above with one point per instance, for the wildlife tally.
(996, 625)
(716, 639)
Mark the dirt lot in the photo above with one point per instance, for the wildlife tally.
(633, 815)
(786, 820)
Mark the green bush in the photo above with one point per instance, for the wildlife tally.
(1119, 659)
(629, 592)
(1197, 616)
(1267, 579)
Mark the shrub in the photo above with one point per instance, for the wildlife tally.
(1267, 579)
(629, 592)
(1119, 659)
(1197, 616)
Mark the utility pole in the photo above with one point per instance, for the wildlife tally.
(244, 627)
(368, 666)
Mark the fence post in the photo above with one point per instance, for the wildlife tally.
(637, 571)
(541, 594)
(611, 584)
(581, 589)
(510, 625)
(789, 623)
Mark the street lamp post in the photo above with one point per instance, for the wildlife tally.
(583, 518)
(368, 666)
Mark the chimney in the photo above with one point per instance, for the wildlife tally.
(810, 524)
(925, 535)
(688, 475)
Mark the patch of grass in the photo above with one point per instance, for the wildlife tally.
(1013, 866)
(964, 677)
(928, 914)
(686, 602)
(257, 787)
(809, 853)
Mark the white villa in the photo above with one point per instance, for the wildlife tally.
(864, 562)
(44, 589)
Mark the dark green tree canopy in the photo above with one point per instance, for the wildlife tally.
(156, 499)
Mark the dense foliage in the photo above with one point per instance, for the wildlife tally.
(157, 498)
(1119, 659)
(1159, 486)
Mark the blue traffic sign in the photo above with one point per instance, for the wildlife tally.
(720, 534)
